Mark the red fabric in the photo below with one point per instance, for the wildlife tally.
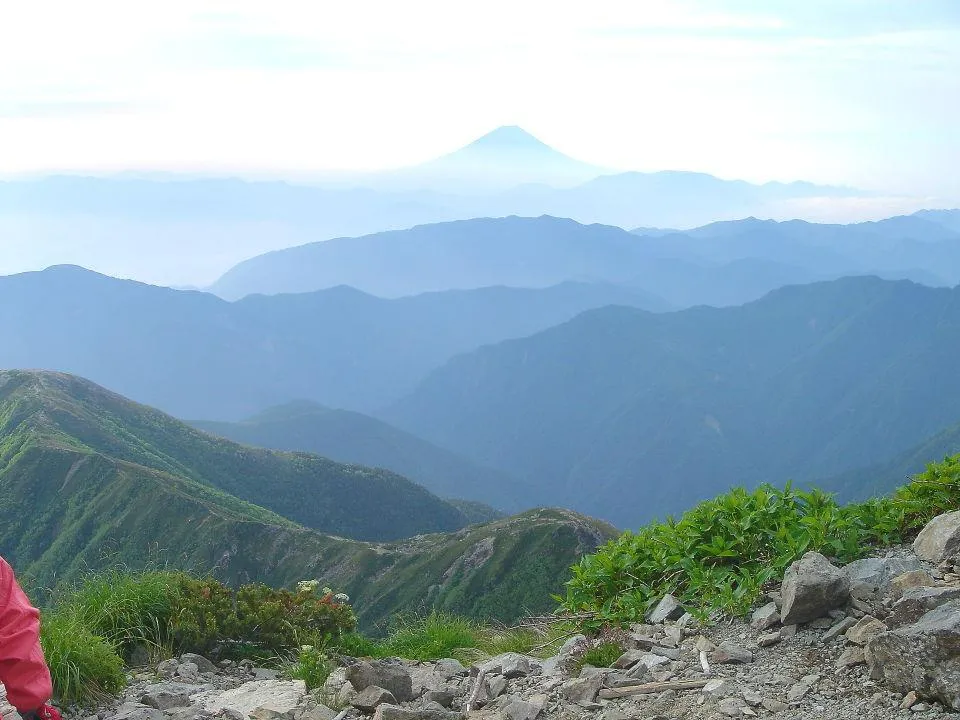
(23, 670)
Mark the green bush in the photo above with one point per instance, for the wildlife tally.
(719, 556)
(85, 668)
(209, 617)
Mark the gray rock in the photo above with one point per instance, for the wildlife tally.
(871, 577)
(940, 539)
(444, 698)
(176, 688)
(769, 639)
(371, 697)
(200, 661)
(163, 700)
(260, 673)
(670, 653)
(838, 629)
(668, 608)
(387, 674)
(765, 617)
(188, 671)
(731, 706)
(924, 657)
(280, 696)
(628, 659)
(853, 655)
(812, 587)
(912, 579)
(719, 688)
(496, 686)
(917, 602)
(514, 707)
(168, 668)
(394, 712)
(582, 691)
(730, 652)
(569, 646)
(449, 668)
(865, 629)
(512, 665)
(773, 705)
(796, 693)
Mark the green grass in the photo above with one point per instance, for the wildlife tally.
(441, 635)
(127, 608)
(718, 557)
(603, 655)
(85, 667)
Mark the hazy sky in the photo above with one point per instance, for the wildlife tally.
(863, 92)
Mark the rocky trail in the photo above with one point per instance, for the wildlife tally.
(873, 640)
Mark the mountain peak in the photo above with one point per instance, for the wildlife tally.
(509, 137)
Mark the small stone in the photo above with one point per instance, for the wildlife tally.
(449, 668)
(768, 639)
(912, 579)
(372, 696)
(168, 668)
(163, 700)
(731, 707)
(729, 652)
(204, 665)
(851, 656)
(865, 629)
(496, 686)
(719, 688)
(788, 631)
(444, 698)
(668, 608)
(838, 629)
(802, 688)
(752, 697)
(773, 705)
(909, 700)
(582, 691)
(765, 617)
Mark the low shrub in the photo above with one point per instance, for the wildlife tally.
(210, 618)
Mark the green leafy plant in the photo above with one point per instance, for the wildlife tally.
(719, 556)
(312, 666)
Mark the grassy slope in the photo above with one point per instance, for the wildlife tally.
(352, 437)
(348, 500)
(65, 509)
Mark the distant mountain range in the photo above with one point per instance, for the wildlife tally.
(188, 232)
(199, 357)
(723, 263)
(629, 415)
(351, 437)
(89, 479)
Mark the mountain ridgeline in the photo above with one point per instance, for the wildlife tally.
(198, 357)
(89, 479)
(724, 263)
(628, 415)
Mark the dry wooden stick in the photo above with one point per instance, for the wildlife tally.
(648, 688)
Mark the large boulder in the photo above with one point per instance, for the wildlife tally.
(940, 539)
(812, 587)
(389, 675)
(923, 657)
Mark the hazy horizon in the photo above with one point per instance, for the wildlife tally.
(862, 94)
